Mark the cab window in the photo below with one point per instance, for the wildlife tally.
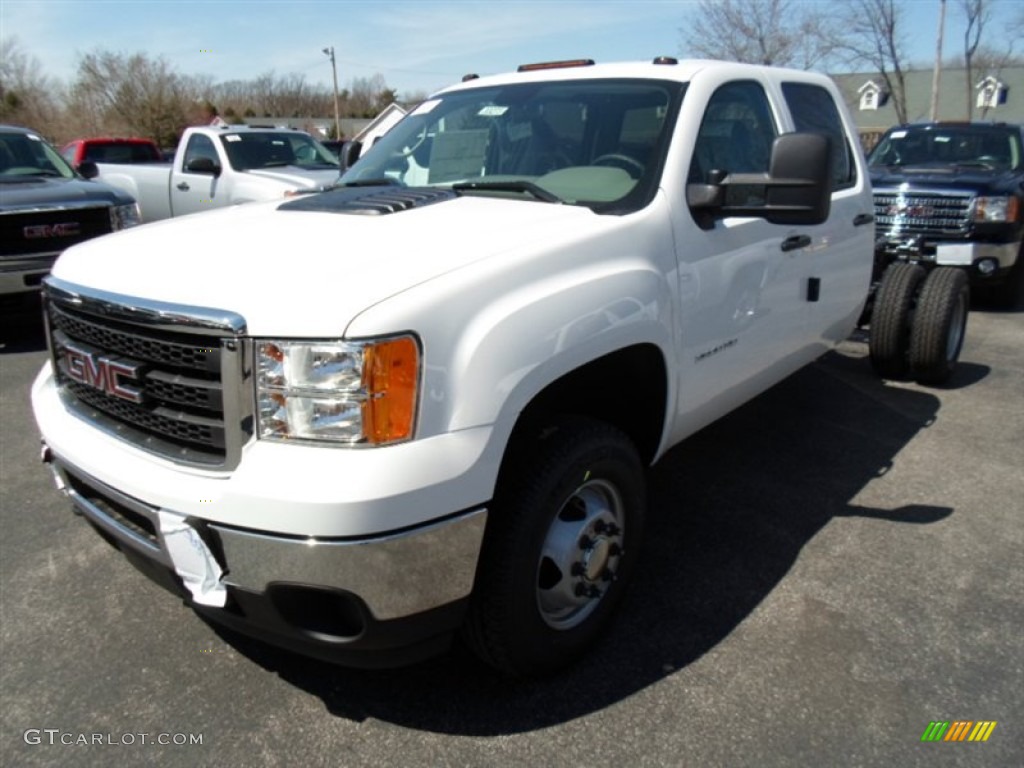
(735, 136)
(200, 146)
(814, 111)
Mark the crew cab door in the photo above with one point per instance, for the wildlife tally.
(742, 318)
(840, 255)
(196, 178)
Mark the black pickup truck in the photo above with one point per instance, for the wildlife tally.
(45, 207)
(952, 195)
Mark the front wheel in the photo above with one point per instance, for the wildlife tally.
(563, 534)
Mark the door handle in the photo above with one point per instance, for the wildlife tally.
(796, 242)
(863, 218)
(183, 186)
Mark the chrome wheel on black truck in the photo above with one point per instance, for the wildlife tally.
(562, 538)
(940, 321)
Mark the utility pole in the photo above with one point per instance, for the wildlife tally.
(938, 62)
(337, 114)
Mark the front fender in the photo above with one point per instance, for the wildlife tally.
(497, 332)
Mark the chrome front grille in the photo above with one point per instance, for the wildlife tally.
(925, 212)
(171, 380)
(194, 354)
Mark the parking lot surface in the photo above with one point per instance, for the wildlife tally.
(827, 571)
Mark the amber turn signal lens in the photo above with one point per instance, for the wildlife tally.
(390, 376)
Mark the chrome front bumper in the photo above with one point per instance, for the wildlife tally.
(395, 574)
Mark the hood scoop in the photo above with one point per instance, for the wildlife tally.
(370, 201)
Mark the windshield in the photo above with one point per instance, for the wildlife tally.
(989, 147)
(253, 150)
(25, 155)
(588, 142)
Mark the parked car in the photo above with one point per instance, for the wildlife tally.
(355, 422)
(952, 195)
(46, 206)
(105, 150)
(215, 167)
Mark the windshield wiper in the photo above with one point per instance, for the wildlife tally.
(528, 187)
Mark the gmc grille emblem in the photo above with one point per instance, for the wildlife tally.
(64, 229)
(913, 211)
(102, 373)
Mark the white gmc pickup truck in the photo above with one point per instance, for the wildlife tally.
(423, 402)
(217, 167)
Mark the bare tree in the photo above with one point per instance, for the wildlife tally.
(873, 37)
(27, 97)
(366, 94)
(133, 94)
(978, 14)
(272, 95)
(778, 32)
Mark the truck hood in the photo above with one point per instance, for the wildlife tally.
(309, 272)
(968, 179)
(21, 192)
(300, 178)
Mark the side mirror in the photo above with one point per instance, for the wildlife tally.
(349, 154)
(203, 165)
(88, 169)
(797, 187)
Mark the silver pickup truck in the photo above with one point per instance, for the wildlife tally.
(217, 167)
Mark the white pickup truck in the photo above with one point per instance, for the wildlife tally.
(356, 422)
(217, 167)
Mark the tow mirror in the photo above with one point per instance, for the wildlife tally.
(796, 190)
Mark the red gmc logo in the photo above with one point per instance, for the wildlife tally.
(101, 373)
(64, 229)
(913, 211)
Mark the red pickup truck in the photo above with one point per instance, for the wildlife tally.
(105, 150)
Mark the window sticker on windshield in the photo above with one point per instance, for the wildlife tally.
(426, 107)
(942, 139)
(898, 135)
(233, 137)
(493, 110)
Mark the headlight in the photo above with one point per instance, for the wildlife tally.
(343, 392)
(995, 209)
(124, 216)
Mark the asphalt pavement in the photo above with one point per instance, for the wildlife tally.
(827, 571)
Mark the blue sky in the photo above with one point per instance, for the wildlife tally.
(417, 45)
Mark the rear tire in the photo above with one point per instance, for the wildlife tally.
(940, 323)
(889, 344)
(562, 538)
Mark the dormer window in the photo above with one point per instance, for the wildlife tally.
(872, 96)
(991, 93)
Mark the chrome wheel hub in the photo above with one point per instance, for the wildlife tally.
(580, 555)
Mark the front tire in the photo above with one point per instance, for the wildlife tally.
(562, 538)
(939, 326)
